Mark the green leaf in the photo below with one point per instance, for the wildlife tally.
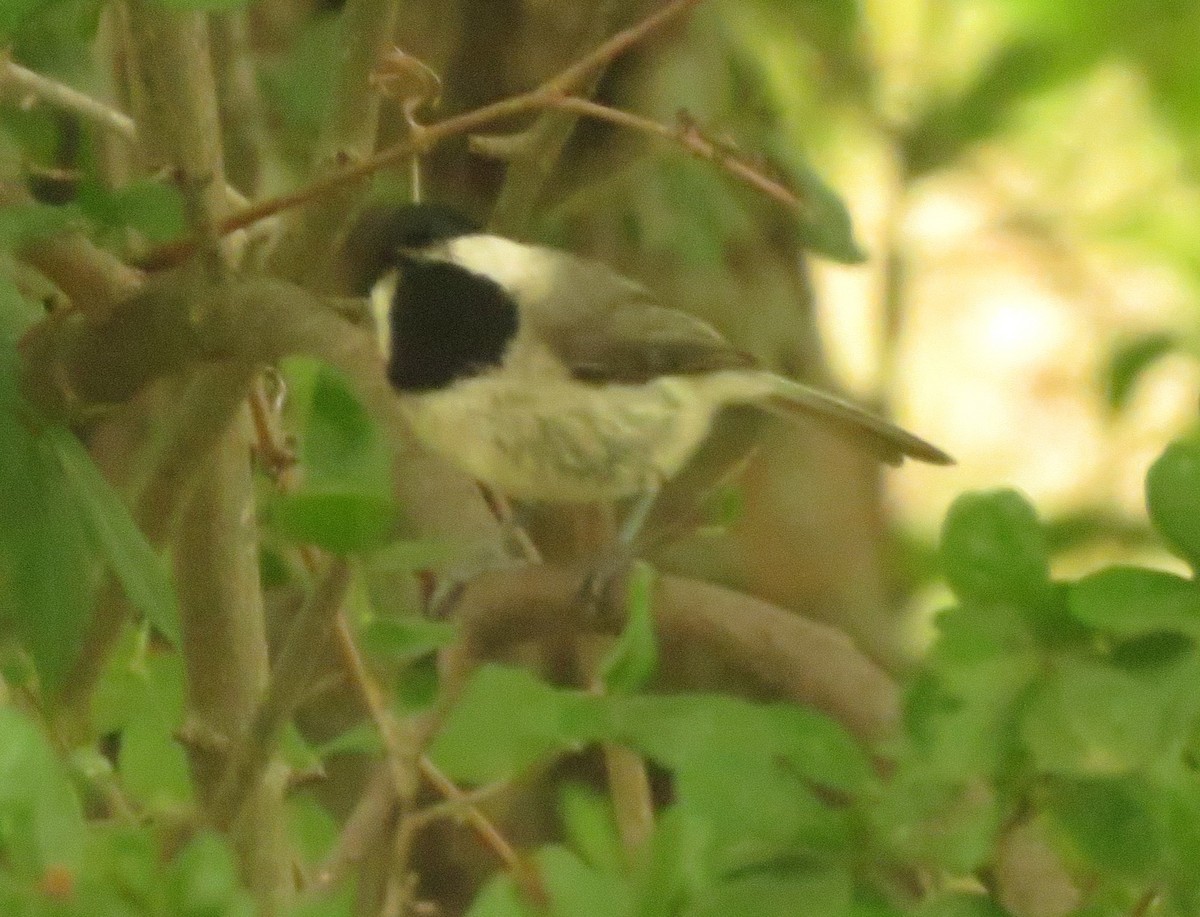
(202, 881)
(590, 827)
(412, 555)
(1023, 68)
(1173, 497)
(506, 720)
(41, 820)
(824, 226)
(341, 447)
(339, 903)
(311, 827)
(826, 891)
(1129, 361)
(14, 12)
(21, 224)
(405, 638)
(747, 771)
(1088, 719)
(960, 904)
(632, 662)
(1119, 824)
(578, 890)
(140, 570)
(1134, 601)
(362, 739)
(152, 764)
(154, 209)
(45, 563)
(501, 898)
(675, 869)
(950, 824)
(994, 550)
(204, 6)
(341, 523)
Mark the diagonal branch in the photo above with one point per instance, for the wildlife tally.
(31, 85)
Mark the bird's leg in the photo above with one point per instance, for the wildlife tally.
(615, 560)
(515, 536)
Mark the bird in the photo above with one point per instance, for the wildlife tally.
(552, 378)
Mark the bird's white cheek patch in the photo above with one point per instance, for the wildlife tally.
(383, 294)
(527, 273)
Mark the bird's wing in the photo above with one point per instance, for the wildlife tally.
(605, 327)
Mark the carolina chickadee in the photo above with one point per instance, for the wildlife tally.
(551, 377)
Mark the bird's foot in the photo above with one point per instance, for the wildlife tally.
(596, 591)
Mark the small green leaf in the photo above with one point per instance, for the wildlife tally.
(311, 827)
(153, 208)
(341, 522)
(14, 12)
(501, 898)
(1173, 497)
(152, 764)
(591, 827)
(1135, 601)
(341, 447)
(823, 890)
(413, 555)
(202, 881)
(960, 904)
(825, 227)
(1091, 719)
(578, 890)
(41, 820)
(21, 224)
(204, 6)
(994, 549)
(632, 662)
(506, 720)
(140, 570)
(405, 638)
(1130, 361)
(362, 739)
(950, 824)
(46, 568)
(1120, 824)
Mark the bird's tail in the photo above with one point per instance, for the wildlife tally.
(792, 400)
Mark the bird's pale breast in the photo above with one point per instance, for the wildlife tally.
(563, 441)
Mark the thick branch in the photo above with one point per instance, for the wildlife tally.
(290, 679)
(180, 112)
(779, 652)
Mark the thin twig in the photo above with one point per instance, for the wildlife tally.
(689, 138)
(533, 153)
(43, 89)
(544, 96)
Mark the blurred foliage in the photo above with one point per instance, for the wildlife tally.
(1067, 704)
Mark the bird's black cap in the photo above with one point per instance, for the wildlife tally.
(381, 232)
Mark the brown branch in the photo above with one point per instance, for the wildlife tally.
(543, 96)
(780, 653)
(689, 138)
(179, 116)
(291, 674)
